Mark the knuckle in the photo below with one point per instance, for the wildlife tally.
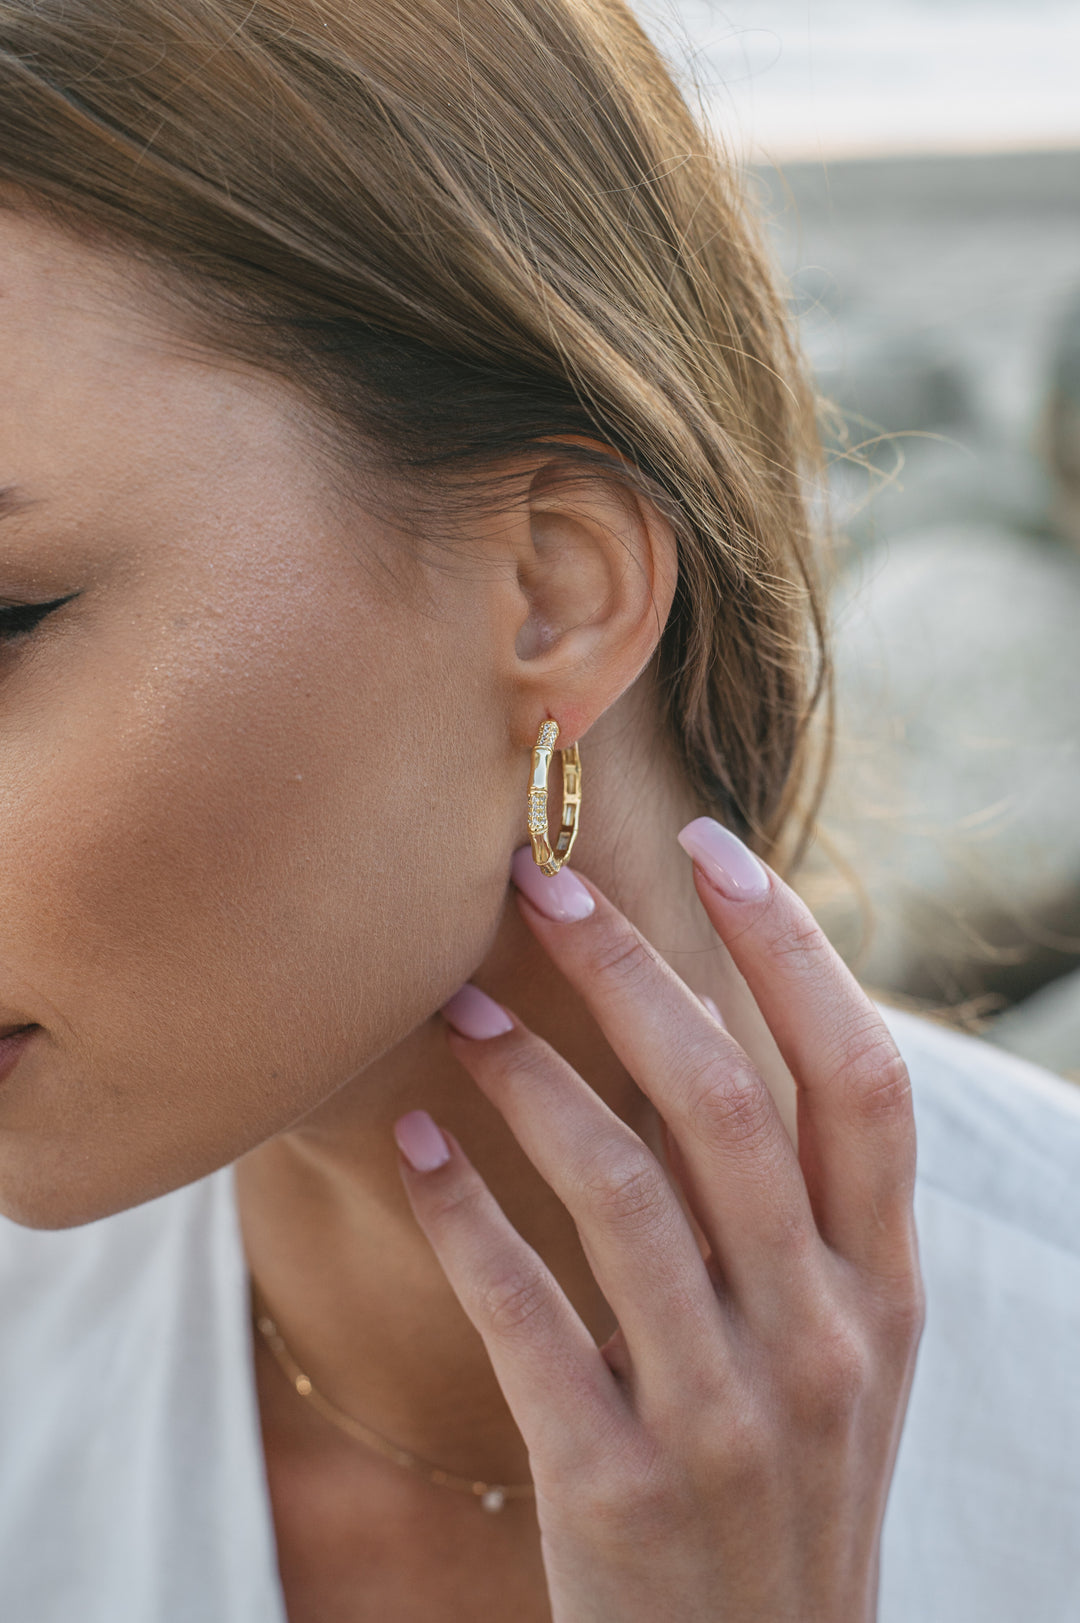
(836, 1376)
(694, 1404)
(729, 1104)
(513, 1301)
(626, 1189)
(879, 1082)
(903, 1313)
(745, 1449)
(622, 956)
(525, 1059)
(798, 942)
(462, 1196)
(740, 1450)
(634, 1498)
(612, 1500)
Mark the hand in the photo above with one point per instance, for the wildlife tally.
(726, 1456)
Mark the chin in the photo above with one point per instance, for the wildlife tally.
(51, 1190)
(45, 1203)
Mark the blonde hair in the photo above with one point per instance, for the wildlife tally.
(462, 227)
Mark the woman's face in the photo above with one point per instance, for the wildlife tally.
(235, 769)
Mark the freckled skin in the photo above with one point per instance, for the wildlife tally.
(216, 766)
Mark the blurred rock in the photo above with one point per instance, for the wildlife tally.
(918, 483)
(1063, 415)
(929, 293)
(1044, 1028)
(893, 382)
(956, 787)
(927, 290)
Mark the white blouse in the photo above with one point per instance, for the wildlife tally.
(132, 1479)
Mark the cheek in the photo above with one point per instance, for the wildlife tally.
(229, 884)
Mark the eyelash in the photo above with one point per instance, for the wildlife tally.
(19, 619)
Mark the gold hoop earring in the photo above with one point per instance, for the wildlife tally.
(547, 860)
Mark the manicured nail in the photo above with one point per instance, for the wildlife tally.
(474, 1014)
(420, 1141)
(713, 1010)
(562, 896)
(731, 865)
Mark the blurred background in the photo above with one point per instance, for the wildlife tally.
(919, 164)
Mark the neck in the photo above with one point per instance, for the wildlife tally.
(356, 1291)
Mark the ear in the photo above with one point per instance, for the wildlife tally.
(596, 571)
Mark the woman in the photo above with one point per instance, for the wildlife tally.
(392, 398)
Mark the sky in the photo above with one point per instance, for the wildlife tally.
(787, 79)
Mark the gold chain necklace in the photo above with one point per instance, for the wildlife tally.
(492, 1495)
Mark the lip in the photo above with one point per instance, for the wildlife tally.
(13, 1043)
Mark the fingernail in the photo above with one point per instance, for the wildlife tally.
(731, 865)
(562, 896)
(420, 1141)
(474, 1014)
(713, 1010)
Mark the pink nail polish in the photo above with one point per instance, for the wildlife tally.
(420, 1141)
(562, 896)
(731, 865)
(474, 1014)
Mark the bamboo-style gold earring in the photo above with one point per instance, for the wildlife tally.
(547, 860)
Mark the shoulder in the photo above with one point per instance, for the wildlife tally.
(47, 1272)
(84, 1302)
(986, 1493)
(995, 1133)
(986, 1497)
(81, 1303)
(131, 1485)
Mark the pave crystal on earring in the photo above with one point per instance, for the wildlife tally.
(538, 813)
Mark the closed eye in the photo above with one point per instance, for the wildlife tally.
(19, 619)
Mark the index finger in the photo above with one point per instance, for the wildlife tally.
(747, 1191)
(855, 1118)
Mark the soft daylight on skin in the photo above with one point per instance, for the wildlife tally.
(188, 805)
(245, 752)
(241, 768)
(403, 1218)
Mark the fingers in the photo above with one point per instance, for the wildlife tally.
(856, 1127)
(748, 1193)
(638, 1243)
(546, 1362)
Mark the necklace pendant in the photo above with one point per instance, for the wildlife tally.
(493, 1499)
